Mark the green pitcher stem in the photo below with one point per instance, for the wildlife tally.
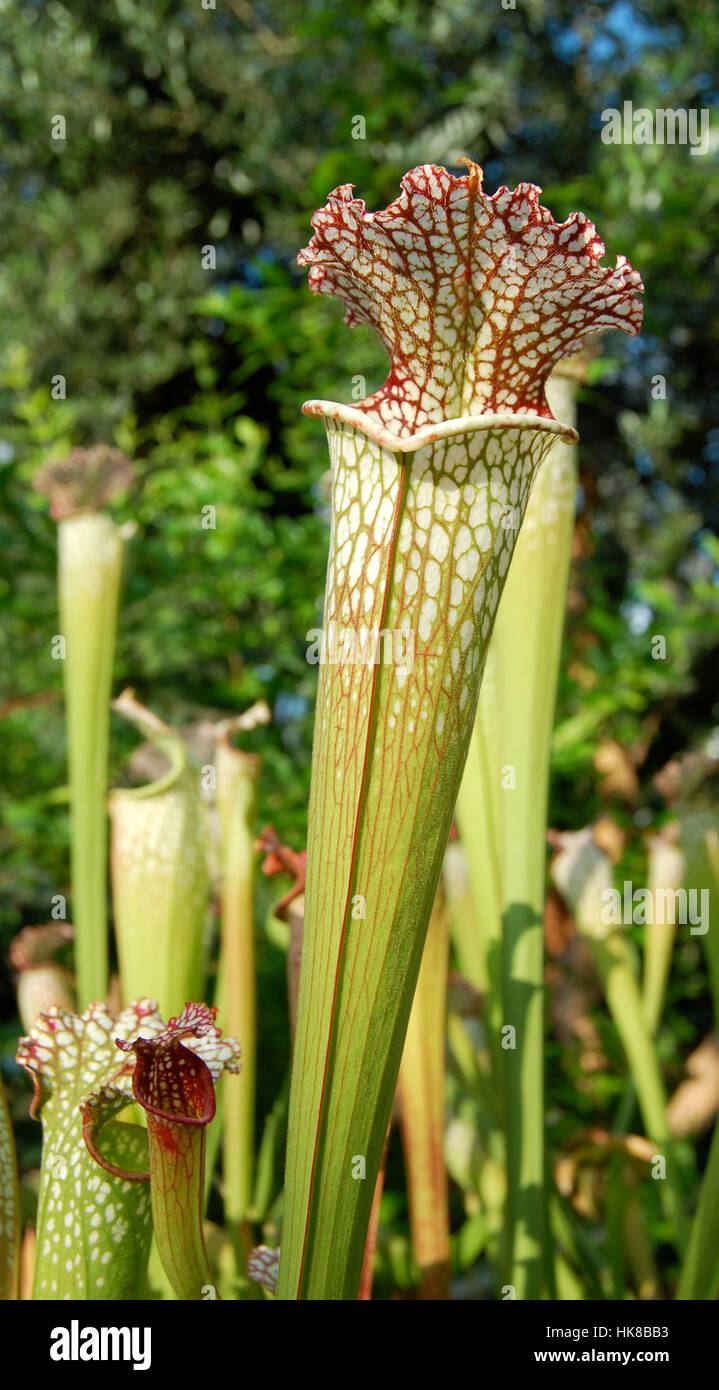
(528, 639)
(582, 873)
(419, 553)
(89, 568)
(422, 1112)
(236, 775)
(177, 1158)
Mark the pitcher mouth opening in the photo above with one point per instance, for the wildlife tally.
(443, 429)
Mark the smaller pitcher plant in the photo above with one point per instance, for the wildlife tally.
(582, 872)
(89, 571)
(104, 1183)
(41, 981)
(160, 880)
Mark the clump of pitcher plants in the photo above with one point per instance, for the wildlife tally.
(452, 512)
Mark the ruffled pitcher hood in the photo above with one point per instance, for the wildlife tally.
(476, 298)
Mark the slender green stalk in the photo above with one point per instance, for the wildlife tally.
(528, 637)
(666, 873)
(582, 874)
(236, 777)
(269, 1153)
(290, 911)
(422, 1112)
(478, 938)
(501, 813)
(464, 926)
(89, 567)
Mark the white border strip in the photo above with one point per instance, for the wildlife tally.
(429, 434)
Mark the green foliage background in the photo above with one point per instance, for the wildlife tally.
(188, 126)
